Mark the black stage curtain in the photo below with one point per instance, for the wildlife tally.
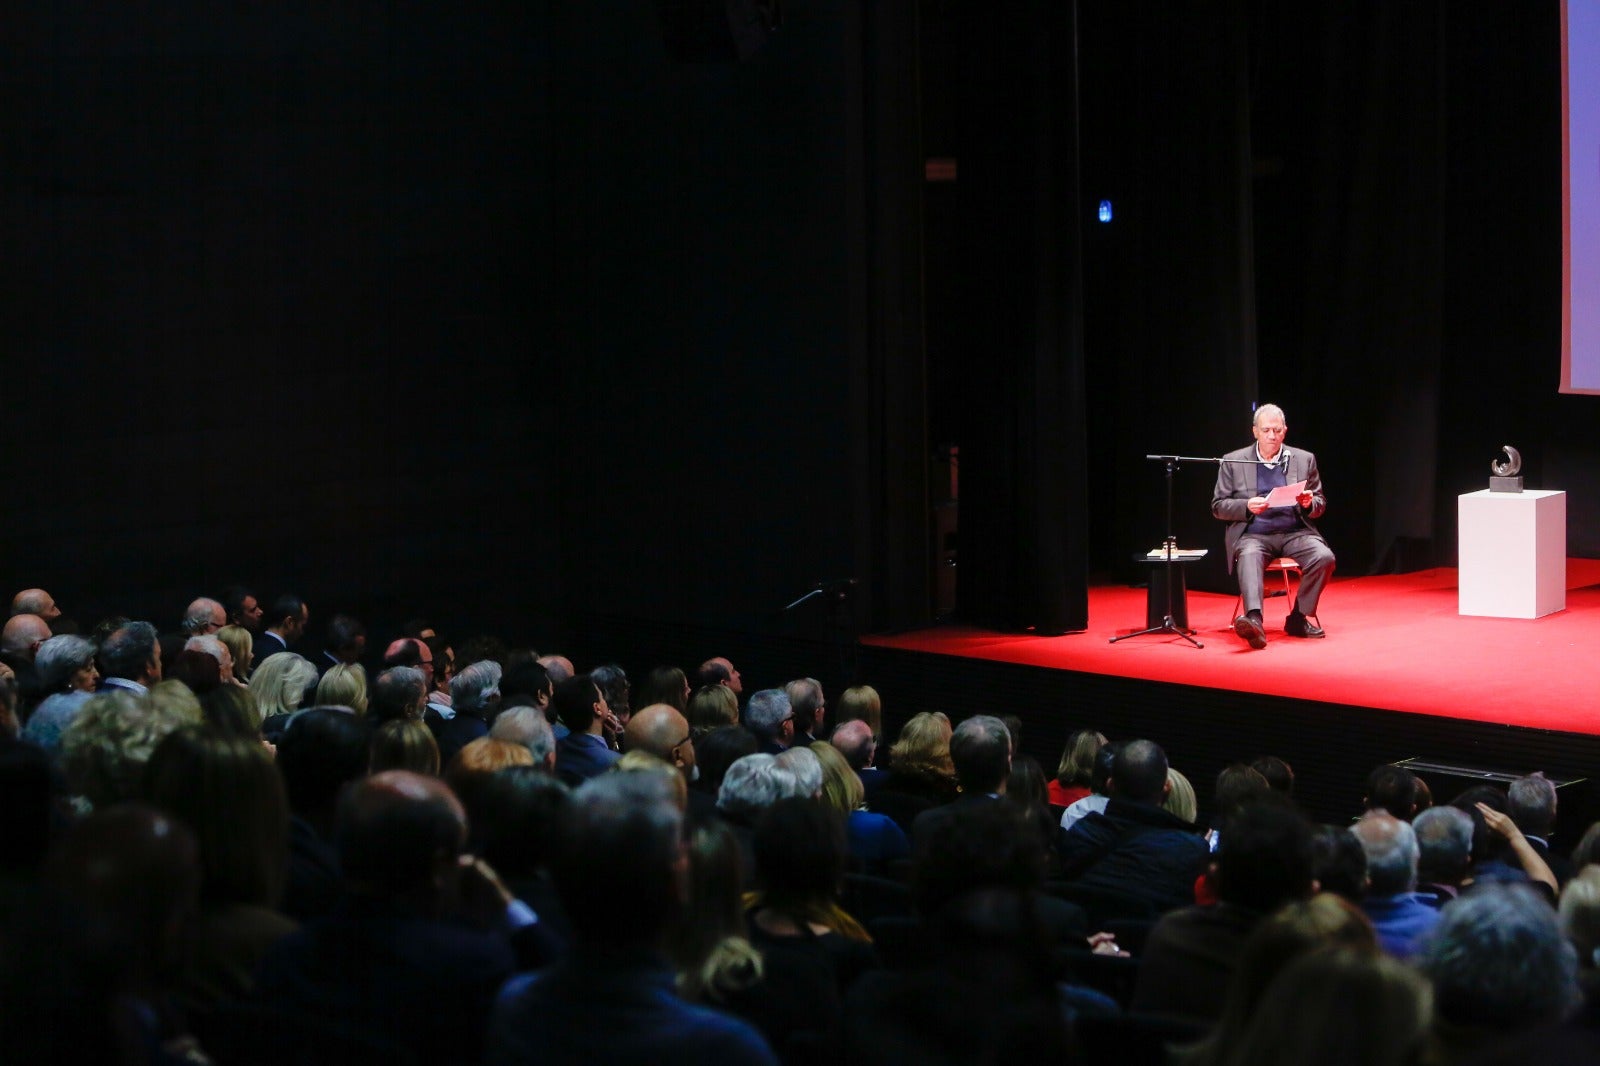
(1014, 213)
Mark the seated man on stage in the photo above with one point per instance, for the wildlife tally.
(1257, 534)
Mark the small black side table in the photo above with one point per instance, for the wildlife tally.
(1156, 597)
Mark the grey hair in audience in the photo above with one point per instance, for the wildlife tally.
(476, 686)
(1444, 844)
(208, 644)
(807, 769)
(1391, 847)
(398, 692)
(128, 650)
(764, 715)
(201, 615)
(754, 783)
(1531, 803)
(59, 658)
(1498, 961)
(805, 696)
(529, 727)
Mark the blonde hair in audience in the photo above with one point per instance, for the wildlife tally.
(241, 645)
(643, 762)
(841, 785)
(861, 702)
(404, 744)
(1580, 915)
(712, 707)
(708, 943)
(280, 683)
(924, 745)
(1077, 758)
(344, 685)
(1180, 801)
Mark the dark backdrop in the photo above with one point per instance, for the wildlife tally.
(498, 313)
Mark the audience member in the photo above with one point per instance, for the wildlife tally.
(280, 684)
(527, 725)
(809, 706)
(288, 617)
(583, 753)
(398, 694)
(770, 717)
(1099, 787)
(861, 703)
(980, 751)
(1135, 847)
(130, 658)
(719, 671)
(921, 775)
(1076, 768)
(393, 961)
(666, 684)
(619, 866)
(404, 744)
(1531, 803)
(322, 752)
(343, 685)
(203, 617)
(68, 676)
(241, 649)
(104, 750)
(874, 841)
(1401, 917)
(1444, 852)
(474, 699)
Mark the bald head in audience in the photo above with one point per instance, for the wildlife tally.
(35, 601)
(22, 635)
(856, 743)
(400, 836)
(204, 617)
(662, 731)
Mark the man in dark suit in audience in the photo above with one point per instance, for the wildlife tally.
(1136, 848)
(583, 753)
(809, 705)
(980, 750)
(289, 615)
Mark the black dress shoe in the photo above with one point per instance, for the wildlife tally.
(1253, 633)
(1298, 625)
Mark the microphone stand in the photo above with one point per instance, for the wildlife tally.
(1168, 624)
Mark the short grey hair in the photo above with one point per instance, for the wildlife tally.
(855, 741)
(806, 767)
(1266, 410)
(1498, 961)
(753, 783)
(1444, 842)
(208, 644)
(476, 686)
(59, 658)
(805, 696)
(529, 727)
(399, 688)
(765, 712)
(1391, 847)
(1531, 803)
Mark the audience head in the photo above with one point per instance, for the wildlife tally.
(399, 837)
(242, 609)
(196, 670)
(809, 705)
(527, 685)
(231, 709)
(22, 635)
(1139, 774)
(475, 691)
(924, 746)
(660, 730)
(1180, 801)
(1393, 789)
(1339, 862)
(227, 791)
(403, 744)
(280, 683)
(720, 749)
(855, 742)
(344, 685)
(1278, 774)
(559, 667)
(400, 693)
(1265, 857)
(770, 716)
(982, 846)
(35, 602)
(712, 707)
(132, 652)
(799, 848)
(1237, 785)
(65, 664)
(801, 761)
(203, 617)
(1531, 803)
(1580, 916)
(1486, 844)
(1391, 847)
(980, 750)
(612, 681)
(1076, 768)
(719, 671)
(752, 784)
(1444, 845)
(529, 727)
(665, 684)
(619, 862)
(289, 617)
(521, 809)
(105, 749)
(347, 638)
(861, 704)
(323, 749)
(1333, 1007)
(241, 647)
(841, 785)
(1498, 961)
(475, 763)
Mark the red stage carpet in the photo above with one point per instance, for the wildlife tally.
(1394, 642)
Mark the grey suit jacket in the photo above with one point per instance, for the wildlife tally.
(1236, 483)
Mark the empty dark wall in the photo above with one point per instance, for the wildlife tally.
(701, 239)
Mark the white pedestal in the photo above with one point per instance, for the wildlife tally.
(1513, 553)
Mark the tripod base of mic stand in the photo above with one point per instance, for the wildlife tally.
(1167, 626)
